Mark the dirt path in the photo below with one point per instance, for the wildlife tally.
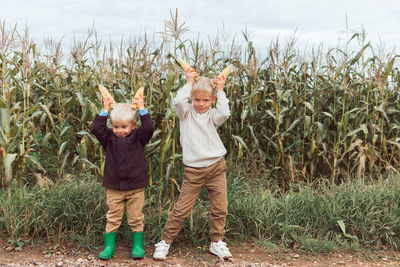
(245, 255)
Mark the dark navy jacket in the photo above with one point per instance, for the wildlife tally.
(125, 167)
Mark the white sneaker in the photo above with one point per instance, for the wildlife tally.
(161, 251)
(220, 249)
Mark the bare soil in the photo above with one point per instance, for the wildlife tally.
(244, 255)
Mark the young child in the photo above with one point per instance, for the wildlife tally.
(125, 172)
(203, 157)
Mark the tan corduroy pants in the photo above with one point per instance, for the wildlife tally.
(116, 200)
(214, 179)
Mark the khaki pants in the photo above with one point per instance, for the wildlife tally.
(116, 200)
(214, 179)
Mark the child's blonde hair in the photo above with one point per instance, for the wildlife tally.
(203, 84)
(122, 112)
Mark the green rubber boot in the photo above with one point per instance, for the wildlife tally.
(109, 246)
(137, 245)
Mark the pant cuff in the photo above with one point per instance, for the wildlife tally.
(216, 237)
(111, 229)
(137, 229)
(166, 239)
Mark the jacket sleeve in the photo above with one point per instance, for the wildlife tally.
(145, 131)
(100, 129)
(221, 113)
(181, 101)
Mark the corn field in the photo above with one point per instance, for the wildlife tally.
(322, 115)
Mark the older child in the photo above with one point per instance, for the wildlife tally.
(125, 172)
(203, 157)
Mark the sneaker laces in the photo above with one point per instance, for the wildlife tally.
(162, 245)
(222, 246)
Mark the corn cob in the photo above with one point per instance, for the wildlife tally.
(105, 93)
(186, 67)
(183, 64)
(139, 94)
(224, 74)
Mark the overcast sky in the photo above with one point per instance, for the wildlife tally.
(314, 21)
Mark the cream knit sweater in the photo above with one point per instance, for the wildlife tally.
(199, 138)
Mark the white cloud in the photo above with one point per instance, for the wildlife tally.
(314, 21)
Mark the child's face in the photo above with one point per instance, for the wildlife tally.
(122, 128)
(202, 101)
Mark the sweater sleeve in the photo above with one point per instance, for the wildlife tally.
(181, 101)
(145, 132)
(221, 113)
(100, 129)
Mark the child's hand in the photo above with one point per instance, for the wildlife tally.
(219, 83)
(139, 102)
(107, 101)
(191, 75)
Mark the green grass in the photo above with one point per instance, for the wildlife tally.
(318, 218)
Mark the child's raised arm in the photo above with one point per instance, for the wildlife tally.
(191, 76)
(107, 101)
(221, 113)
(145, 132)
(181, 100)
(99, 128)
(139, 102)
(219, 83)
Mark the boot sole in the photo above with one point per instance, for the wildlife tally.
(104, 258)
